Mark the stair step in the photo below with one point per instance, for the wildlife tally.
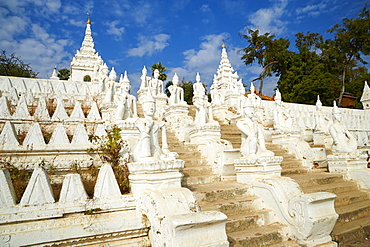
(338, 187)
(349, 197)
(246, 221)
(231, 206)
(292, 171)
(289, 243)
(183, 148)
(197, 170)
(219, 190)
(291, 163)
(353, 211)
(260, 236)
(191, 162)
(183, 155)
(314, 179)
(286, 156)
(200, 179)
(356, 230)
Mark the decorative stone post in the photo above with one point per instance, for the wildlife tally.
(155, 180)
(346, 158)
(303, 214)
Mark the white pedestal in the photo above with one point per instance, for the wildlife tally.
(207, 131)
(248, 170)
(343, 163)
(156, 174)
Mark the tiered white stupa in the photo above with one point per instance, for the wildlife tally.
(87, 61)
(226, 87)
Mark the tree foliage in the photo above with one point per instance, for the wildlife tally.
(186, 86)
(161, 69)
(188, 90)
(14, 66)
(263, 49)
(352, 41)
(315, 66)
(64, 74)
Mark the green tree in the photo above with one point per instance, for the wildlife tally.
(263, 49)
(166, 91)
(186, 86)
(161, 69)
(304, 74)
(64, 74)
(355, 84)
(188, 90)
(351, 42)
(14, 66)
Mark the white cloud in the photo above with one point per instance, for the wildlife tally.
(114, 30)
(268, 19)
(205, 60)
(312, 10)
(11, 25)
(53, 5)
(149, 45)
(205, 8)
(40, 50)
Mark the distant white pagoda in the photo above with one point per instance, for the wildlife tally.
(226, 87)
(87, 65)
(365, 98)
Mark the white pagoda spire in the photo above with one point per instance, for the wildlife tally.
(226, 86)
(54, 76)
(365, 98)
(86, 61)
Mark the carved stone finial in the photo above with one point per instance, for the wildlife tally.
(277, 95)
(318, 102)
(197, 78)
(335, 108)
(175, 80)
(88, 18)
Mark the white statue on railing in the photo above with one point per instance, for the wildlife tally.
(253, 140)
(144, 78)
(321, 121)
(148, 148)
(282, 117)
(203, 113)
(110, 86)
(198, 89)
(126, 103)
(103, 76)
(156, 83)
(343, 140)
(177, 93)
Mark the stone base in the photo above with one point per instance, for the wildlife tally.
(321, 138)
(155, 175)
(343, 163)
(160, 104)
(128, 127)
(248, 170)
(285, 138)
(231, 99)
(178, 110)
(108, 112)
(206, 131)
(221, 113)
(308, 135)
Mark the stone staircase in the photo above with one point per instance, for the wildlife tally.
(352, 204)
(248, 224)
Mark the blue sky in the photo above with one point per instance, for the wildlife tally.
(185, 35)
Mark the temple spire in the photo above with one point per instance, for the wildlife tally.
(86, 60)
(88, 18)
